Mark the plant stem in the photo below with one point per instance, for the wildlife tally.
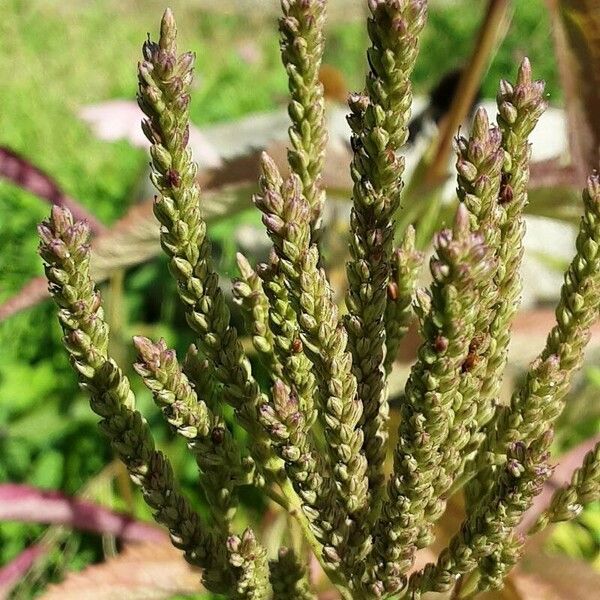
(490, 33)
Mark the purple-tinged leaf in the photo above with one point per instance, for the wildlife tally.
(29, 504)
(15, 570)
(23, 173)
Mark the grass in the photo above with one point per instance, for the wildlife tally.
(58, 56)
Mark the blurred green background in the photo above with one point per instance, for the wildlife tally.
(57, 56)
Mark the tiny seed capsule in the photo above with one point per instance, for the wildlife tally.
(440, 344)
(506, 191)
(217, 435)
(506, 194)
(393, 291)
(297, 345)
(173, 178)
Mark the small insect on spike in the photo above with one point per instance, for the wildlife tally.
(470, 362)
(506, 193)
(392, 291)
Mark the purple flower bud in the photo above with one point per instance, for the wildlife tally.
(466, 169)
(593, 189)
(233, 543)
(399, 26)
(45, 232)
(77, 338)
(269, 170)
(273, 223)
(61, 218)
(439, 270)
(514, 467)
(144, 346)
(168, 356)
(508, 112)
(524, 75)
(186, 61)
(173, 178)
(181, 103)
(481, 124)
(59, 249)
(461, 221)
(506, 89)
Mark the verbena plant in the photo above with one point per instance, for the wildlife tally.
(317, 439)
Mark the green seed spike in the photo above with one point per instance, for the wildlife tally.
(315, 438)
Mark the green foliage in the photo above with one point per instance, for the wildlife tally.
(449, 33)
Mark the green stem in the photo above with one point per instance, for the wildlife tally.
(294, 508)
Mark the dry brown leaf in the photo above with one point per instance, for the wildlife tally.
(113, 120)
(334, 83)
(552, 173)
(576, 28)
(140, 572)
(523, 587)
(568, 578)
(559, 584)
